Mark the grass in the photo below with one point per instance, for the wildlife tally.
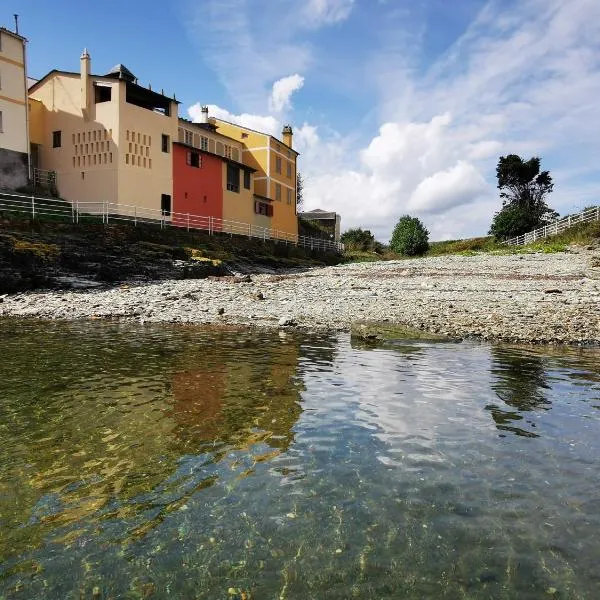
(582, 234)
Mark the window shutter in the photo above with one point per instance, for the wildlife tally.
(188, 158)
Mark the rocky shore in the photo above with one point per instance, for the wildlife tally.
(539, 298)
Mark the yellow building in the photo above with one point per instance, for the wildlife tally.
(107, 138)
(14, 137)
(275, 177)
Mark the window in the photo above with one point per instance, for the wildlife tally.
(188, 137)
(127, 159)
(262, 208)
(204, 143)
(193, 159)
(233, 178)
(56, 139)
(102, 93)
(227, 150)
(247, 179)
(278, 192)
(165, 204)
(289, 170)
(165, 142)
(278, 164)
(289, 196)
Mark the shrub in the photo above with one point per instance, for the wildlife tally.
(358, 239)
(410, 237)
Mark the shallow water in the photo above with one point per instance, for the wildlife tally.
(174, 462)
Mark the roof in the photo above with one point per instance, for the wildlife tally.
(122, 72)
(229, 160)
(318, 214)
(15, 35)
(259, 132)
(111, 77)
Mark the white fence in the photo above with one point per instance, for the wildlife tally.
(109, 212)
(585, 216)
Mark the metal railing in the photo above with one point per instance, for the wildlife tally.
(585, 216)
(44, 178)
(109, 212)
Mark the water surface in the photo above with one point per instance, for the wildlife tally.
(187, 463)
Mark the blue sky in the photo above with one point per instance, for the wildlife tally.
(398, 106)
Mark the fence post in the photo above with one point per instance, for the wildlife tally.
(210, 225)
(107, 212)
(569, 221)
(73, 212)
(77, 211)
(188, 221)
(135, 216)
(32, 207)
(249, 230)
(597, 213)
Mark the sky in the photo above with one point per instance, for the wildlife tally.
(398, 106)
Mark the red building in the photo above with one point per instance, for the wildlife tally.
(197, 187)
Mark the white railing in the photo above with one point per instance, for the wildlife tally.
(109, 212)
(43, 178)
(585, 216)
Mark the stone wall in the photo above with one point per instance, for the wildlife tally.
(14, 172)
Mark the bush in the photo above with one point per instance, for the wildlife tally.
(410, 237)
(358, 239)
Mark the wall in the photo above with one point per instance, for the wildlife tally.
(14, 145)
(237, 206)
(260, 152)
(284, 210)
(141, 185)
(197, 191)
(255, 153)
(86, 162)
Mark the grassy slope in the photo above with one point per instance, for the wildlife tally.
(582, 235)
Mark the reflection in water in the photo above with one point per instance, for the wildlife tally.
(520, 383)
(181, 462)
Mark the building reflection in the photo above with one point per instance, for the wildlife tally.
(520, 382)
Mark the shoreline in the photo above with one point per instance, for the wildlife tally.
(527, 298)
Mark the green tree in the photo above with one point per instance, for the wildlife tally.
(410, 237)
(523, 189)
(299, 191)
(358, 239)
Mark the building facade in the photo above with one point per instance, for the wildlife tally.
(330, 221)
(275, 178)
(211, 180)
(14, 136)
(107, 138)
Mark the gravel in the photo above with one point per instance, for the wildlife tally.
(539, 298)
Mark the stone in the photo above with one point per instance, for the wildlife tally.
(221, 311)
(287, 322)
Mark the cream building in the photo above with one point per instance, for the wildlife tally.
(14, 138)
(107, 138)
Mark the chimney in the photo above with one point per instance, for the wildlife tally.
(288, 135)
(86, 65)
(204, 115)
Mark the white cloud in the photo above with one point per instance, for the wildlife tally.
(459, 185)
(327, 12)
(522, 79)
(281, 94)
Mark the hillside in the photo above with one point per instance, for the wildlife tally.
(37, 254)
